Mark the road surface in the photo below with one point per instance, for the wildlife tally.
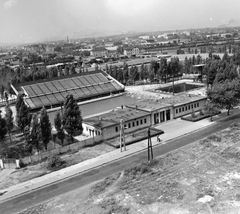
(40, 195)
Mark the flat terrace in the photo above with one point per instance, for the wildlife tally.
(154, 104)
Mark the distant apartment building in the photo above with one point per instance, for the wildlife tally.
(99, 52)
(144, 37)
(129, 51)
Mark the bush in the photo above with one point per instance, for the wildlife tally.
(21, 164)
(193, 115)
(55, 162)
(140, 169)
(214, 138)
(234, 125)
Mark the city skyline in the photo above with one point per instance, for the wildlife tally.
(29, 21)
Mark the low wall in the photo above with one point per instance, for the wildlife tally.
(72, 147)
(9, 164)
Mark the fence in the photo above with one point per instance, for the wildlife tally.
(71, 147)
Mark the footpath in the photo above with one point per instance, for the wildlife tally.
(172, 130)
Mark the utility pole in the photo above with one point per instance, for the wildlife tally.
(122, 136)
(150, 151)
(172, 80)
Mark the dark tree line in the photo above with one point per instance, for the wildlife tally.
(156, 71)
(23, 74)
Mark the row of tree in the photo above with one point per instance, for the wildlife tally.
(37, 128)
(162, 71)
(24, 74)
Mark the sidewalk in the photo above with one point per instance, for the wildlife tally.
(172, 130)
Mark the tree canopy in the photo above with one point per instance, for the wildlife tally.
(71, 117)
(46, 127)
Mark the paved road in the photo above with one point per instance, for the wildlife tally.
(30, 199)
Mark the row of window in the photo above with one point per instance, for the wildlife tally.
(91, 132)
(132, 124)
(187, 107)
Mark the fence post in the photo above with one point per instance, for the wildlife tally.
(1, 164)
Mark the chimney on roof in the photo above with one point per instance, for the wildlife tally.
(100, 118)
(136, 106)
(121, 106)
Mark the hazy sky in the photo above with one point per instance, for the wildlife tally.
(25, 21)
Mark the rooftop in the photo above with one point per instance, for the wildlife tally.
(99, 49)
(154, 104)
(113, 117)
(200, 65)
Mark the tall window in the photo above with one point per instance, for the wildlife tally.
(145, 120)
(116, 128)
(137, 123)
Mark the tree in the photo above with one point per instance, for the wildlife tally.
(71, 118)
(28, 140)
(23, 117)
(2, 92)
(35, 132)
(211, 109)
(3, 128)
(9, 120)
(59, 127)
(46, 127)
(225, 95)
(19, 102)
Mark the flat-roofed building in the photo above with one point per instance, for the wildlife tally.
(159, 110)
(99, 52)
(107, 124)
(166, 109)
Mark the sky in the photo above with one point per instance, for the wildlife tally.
(30, 21)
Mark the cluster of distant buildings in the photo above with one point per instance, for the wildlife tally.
(113, 48)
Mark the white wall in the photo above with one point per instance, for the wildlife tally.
(87, 128)
(196, 106)
(110, 132)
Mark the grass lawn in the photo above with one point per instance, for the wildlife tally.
(203, 177)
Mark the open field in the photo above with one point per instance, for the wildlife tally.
(203, 177)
